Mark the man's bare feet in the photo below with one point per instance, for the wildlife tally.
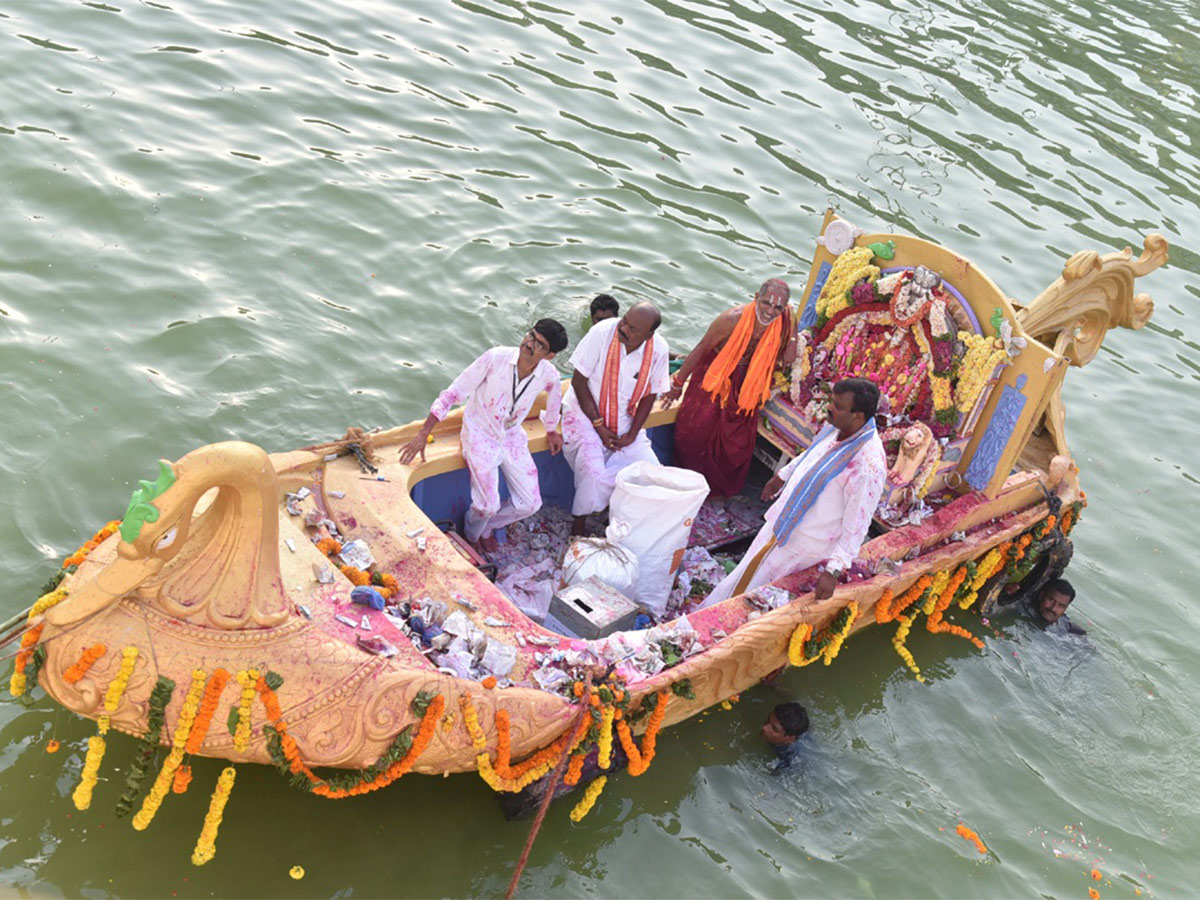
(487, 543)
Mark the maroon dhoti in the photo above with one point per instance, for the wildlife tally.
(718, 443)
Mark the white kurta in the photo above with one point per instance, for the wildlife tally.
(492, 437)
(595, 467)
(833, 528)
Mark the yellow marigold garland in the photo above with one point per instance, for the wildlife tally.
(980, 360)
(800, 637)
(935, 623)
(166, 774)
(512, 782)
(206, 843)
(247, 678)
(82, 795)
(898, 644)
(605, 740)
(850, 268)
(588, 800)
(44, 602)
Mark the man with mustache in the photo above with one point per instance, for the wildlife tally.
(620, 367)
(498, 389)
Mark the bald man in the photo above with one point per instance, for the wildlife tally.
(620, 367)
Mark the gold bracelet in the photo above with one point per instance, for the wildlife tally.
(599, 420)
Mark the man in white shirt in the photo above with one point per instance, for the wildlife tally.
(620, 367)
(827, 497)
(499, 388)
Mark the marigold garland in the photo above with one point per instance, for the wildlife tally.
(47, 600)
(799, 638)
(965, 832)
(888, 610)
(183, 777)
(371, 779)
(849, 268)
(982, 356)
(208, 706)
(501, 776)
(898, 644)
(91, 544)
(206, 843)
(86, 660)
(17, 684)
(166, 775)
(159, 698)
(588, 800)
(639, 760)
(82, 795)
(935, 623)
(574, 769)
(247, 678)
(605, 740)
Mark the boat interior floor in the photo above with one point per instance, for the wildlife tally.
(529, 561)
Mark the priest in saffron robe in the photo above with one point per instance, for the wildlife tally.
(620, 367)
(826, 498)
(731, 371)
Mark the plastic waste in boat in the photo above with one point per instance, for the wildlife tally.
(365, 595)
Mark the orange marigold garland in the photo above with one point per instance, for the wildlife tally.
(892, 610)
(29, 639)
(574, 769)
(378, 776)
(86, 660)
(88, 546)
(501, 776)
(935, 623)
(639, 760)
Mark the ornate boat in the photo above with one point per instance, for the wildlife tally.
(223, 564)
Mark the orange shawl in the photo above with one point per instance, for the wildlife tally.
(612, 371)
(756, 387)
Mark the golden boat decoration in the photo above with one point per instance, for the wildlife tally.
(227, 563)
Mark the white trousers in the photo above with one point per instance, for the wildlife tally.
(596, 468)
(486, 457)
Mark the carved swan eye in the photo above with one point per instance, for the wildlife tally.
(166, 540)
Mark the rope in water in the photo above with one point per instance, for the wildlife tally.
(551, 786)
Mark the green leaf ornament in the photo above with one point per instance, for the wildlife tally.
(141, 510)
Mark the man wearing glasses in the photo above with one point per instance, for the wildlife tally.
(498, 389)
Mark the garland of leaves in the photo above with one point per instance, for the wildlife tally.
(147, 747)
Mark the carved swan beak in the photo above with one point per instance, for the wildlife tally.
(111, 583)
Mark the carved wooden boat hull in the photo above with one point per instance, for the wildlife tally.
(211, 581)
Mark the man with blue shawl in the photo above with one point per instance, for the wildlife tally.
(826, 498)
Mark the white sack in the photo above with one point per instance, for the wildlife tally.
(613, 564)
(651, 514)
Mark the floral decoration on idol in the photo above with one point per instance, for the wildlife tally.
(908, 333)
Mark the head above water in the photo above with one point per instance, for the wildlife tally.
(854, 401)
(603, 307)
(771, 300)
(785, 723)
(1053, 599)
(639, 323)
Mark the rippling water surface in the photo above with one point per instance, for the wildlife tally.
(272, 220)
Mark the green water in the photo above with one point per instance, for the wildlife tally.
(273, 220)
